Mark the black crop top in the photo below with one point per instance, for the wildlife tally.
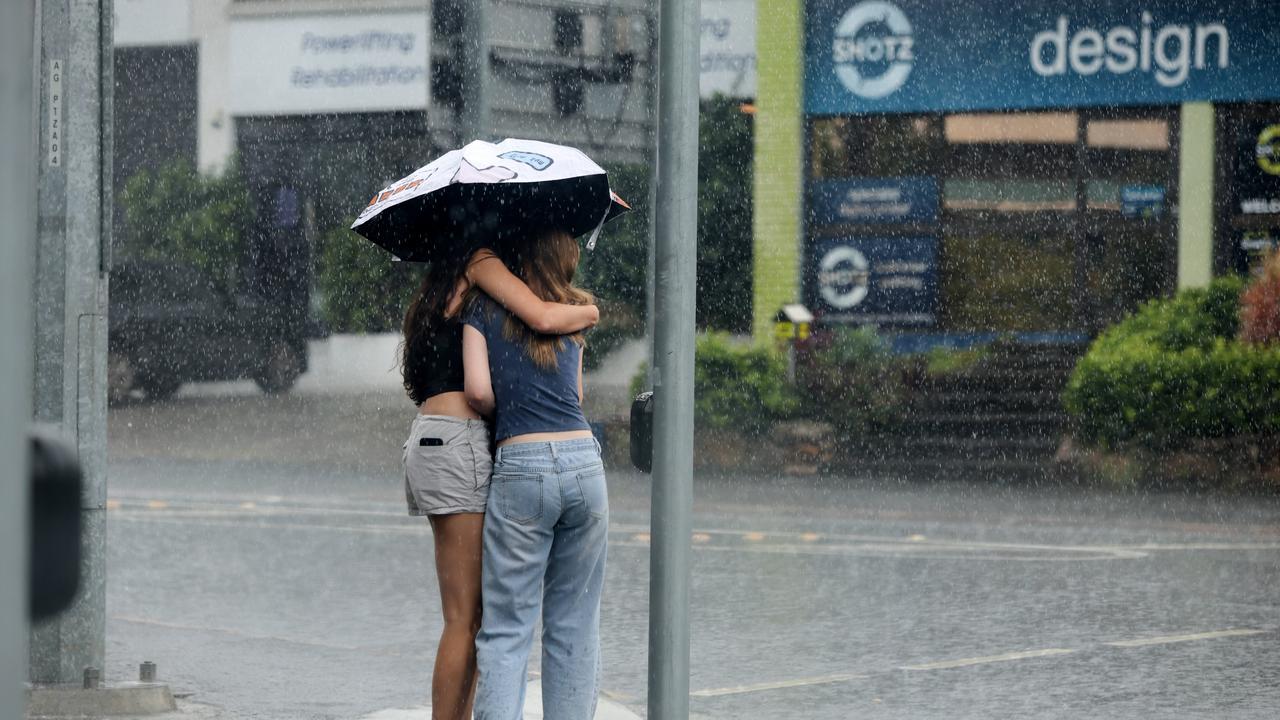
(433, 365)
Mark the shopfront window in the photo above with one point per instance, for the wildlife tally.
(877, 146)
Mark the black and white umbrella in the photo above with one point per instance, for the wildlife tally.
(486, 190)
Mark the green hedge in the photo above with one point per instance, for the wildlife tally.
(855, 383)
(736, 386)
(175, 213)
(1175, 372)
(361, 289)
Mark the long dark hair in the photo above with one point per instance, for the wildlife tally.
(425, 313)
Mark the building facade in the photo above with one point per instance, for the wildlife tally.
(950, 172)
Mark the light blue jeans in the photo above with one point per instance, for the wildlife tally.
(545, 535)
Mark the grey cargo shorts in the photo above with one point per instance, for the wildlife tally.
(447, 465)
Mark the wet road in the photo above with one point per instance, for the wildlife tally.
(260, 554)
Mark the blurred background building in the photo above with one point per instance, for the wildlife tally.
(951, 169)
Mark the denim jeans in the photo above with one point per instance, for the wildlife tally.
(545, 533)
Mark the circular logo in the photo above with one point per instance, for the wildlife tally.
(873, 49)
(1268, 150)
(843, 277)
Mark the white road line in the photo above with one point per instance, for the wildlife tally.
(229, 631)
(1143, 642)
(1007, 657)
(757, 687)
(259, 525)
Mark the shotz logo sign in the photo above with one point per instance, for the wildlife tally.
(873, 49)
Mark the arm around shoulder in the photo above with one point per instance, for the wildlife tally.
(488, 273)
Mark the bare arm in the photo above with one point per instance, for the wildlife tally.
(488, 273)
(476, 384)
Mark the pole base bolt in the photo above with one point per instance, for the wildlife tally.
(147, 672)
(92, 678)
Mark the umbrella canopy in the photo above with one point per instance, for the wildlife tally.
(487, 190)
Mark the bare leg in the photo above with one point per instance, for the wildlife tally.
(458, 552)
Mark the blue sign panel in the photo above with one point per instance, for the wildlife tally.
(874, 200)
(874, 280)
(870, 56)
(1145, 201)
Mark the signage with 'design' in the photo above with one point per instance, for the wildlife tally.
(873, 200)
(867, 56)
(874, 280)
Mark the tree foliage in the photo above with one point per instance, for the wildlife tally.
(361, 289)
(177, 214)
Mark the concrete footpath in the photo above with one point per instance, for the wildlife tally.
(605, 710)
(191, 710)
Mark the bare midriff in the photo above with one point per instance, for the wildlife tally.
(545, 437)
(452, 404)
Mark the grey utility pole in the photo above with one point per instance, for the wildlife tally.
(73, 159)
(17, 204)
(473, 61)
(675, 254)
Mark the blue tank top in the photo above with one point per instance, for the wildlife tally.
(529, 398)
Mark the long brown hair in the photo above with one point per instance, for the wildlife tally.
(547, 267)
(426, 311)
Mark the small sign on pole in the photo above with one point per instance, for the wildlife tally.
(55, 113)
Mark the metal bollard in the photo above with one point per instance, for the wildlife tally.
(147, 672)
(92, 678)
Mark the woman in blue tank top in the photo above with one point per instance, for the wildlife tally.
(548, 509)
(447, 456)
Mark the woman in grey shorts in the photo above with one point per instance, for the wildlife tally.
(447, 458)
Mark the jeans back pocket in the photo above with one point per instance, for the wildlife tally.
(519, 496)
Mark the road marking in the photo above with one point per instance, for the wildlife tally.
(701, 537)
(113, 504)
(1143, 642)
(810, 537)
(228, 631)
(369, 529)
(157, 504)
(781, 684)
(1007, 657)
(753, 537)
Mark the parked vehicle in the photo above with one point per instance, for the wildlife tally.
(169, 324)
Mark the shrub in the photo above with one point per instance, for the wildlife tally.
(1175, 372)
(177, 214)
(736, 386)
(361, 288)
(743, 387)
(854, 383)
(1260, 305)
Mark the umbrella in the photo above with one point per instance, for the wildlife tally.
(487, 190)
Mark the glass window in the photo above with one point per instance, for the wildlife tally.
(1128, 134)
(1011, 128)
(879, 146)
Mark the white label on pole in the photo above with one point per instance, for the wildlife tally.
(55, 113)
(306, 64)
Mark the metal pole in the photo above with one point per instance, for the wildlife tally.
(651, 87)
(675, 254)
(473, 56)
(72, 258)
(17, 203)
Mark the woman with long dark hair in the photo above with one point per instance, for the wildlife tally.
(548, 512)
(447, 457)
